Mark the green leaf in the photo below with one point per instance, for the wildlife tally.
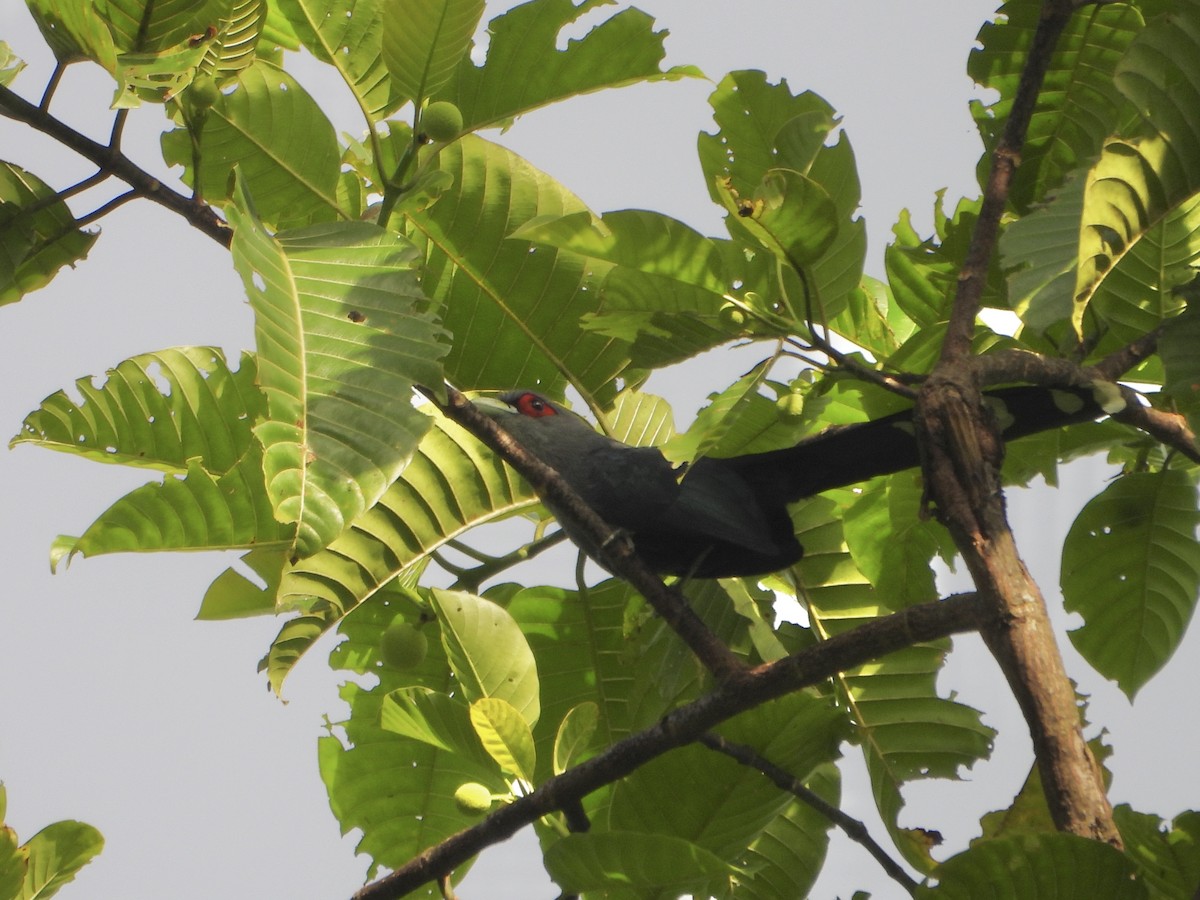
(452, 484)
(763, 128)
(433, 718)
(643, 862)
(10, 65)
(574, 734)
(505, 735)
(785, 859)
(233, 596)
(341, 340)
(1181, 363)
(1077, 107)
(502, 299)
(891, 543)
(905, 729)
(157, 76)
(1138, 182)
(1037, 867)
(1167, 858)
(37, 234)
(797, 733)
(424, 41)
(348, 35)
(55, 855)
(274, 133)
(147, 27)
(13, 862)
(1131, 568)
(181, 411)
(156, 410)
(788, 213)
(619, 51)
(199, 511)
(75, 31)
(399, 791)
(487, 651)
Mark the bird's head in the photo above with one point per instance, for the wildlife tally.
(547, 429)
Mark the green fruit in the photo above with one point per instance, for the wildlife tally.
(473, 798)
(790, 404)
(203, 91)
(731, 316)
(403, 645)
(441, 121)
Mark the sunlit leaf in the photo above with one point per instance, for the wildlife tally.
(487, 651)
(341, 340)
(620, 50)
(505, 735)
(424, 40)
(645, 862)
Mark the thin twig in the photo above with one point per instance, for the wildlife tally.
(202, 217)
(785, 781)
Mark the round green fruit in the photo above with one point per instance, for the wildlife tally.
(441, 121)
(403, 645)
(731, 316)
(473, 798)
(204, 91)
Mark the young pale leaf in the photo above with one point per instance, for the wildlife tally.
(13, 863)
(1131, 568)
(341, 341)
(1037, 867)
(37, 234)
(424, 41)
(574, 735)
(647, 863)
(619, 51)
(488, 652)
(505, 736)
(56, 854)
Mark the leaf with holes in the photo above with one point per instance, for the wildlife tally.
(341, 339)
(1131, 568)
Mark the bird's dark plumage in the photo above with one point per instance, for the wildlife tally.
(729, 517)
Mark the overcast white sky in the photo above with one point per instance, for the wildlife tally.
(121, 711)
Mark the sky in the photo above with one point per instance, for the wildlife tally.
(119, 710)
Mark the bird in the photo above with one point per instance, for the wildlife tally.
(721, 517)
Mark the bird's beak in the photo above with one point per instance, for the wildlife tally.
(491, 406)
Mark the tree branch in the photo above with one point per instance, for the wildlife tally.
(111, 161)
(814, 664)
(962, 456)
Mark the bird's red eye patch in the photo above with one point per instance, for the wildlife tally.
(533, 406)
